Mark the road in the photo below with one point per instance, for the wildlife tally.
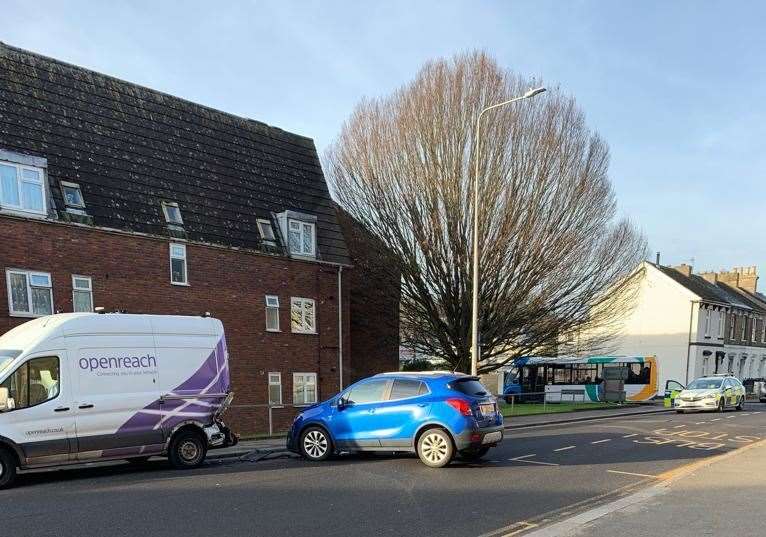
(536, 477)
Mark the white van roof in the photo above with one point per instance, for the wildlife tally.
(69, 324)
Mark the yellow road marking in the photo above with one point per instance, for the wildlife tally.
(632, 473)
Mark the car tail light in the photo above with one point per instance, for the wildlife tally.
(461, 405)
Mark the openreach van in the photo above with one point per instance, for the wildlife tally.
(84, 387)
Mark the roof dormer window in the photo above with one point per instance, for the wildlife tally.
(172, 213)
(301, 238)
(267, 232)
(73, 199)
(22, 188)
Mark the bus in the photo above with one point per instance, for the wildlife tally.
(552, 379)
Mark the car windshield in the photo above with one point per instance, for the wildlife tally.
(470, 386)
(705, 384)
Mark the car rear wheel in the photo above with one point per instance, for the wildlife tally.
(435, 448)
(474, 454)
(187, 450)
(315, 444)
(7, 469)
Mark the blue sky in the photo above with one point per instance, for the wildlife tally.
(676, 88)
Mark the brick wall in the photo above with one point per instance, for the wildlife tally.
(132, 272)
(374, 286)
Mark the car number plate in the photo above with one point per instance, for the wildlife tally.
(487, 409)
(491, 438)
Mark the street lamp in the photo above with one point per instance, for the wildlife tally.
(475, 308)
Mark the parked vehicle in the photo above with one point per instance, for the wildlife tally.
(716, 392)
(83, 387)
(435, 414)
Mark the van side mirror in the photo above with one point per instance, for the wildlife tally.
(4, 399)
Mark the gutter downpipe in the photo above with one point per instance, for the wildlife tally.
(689, 346)
(340, 326)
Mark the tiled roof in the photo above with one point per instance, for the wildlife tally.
(130, 147)
(743, 297)
(697, 285)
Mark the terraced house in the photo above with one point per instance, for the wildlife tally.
(698, 324)
(118, 196)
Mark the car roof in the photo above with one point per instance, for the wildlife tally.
(424, 375)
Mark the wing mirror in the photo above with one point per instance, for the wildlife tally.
(342, 403)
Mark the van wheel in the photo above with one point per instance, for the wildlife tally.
(7, 469)
(187, 450)
(435, 448)
(315, 444)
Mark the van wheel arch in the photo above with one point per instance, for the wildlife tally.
(12, 451)
(187, 447)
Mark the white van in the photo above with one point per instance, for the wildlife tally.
(84, 387)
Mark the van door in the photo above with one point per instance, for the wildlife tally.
(117, 402)
(42, 420)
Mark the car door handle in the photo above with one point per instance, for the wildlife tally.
(371, 411)
(61, 409)
(422, 405)
(88, 405)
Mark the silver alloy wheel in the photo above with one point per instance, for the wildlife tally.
(189, 450)
(434, 448)
(315, 444)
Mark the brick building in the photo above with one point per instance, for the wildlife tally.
(118, 196)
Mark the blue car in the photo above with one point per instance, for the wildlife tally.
(438, 415)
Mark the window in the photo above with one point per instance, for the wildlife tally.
(404, 388)
(753, 333)
(82, 293)
(267, 232)
(172, 213)
(743, 335)
(763, 331)
(29, 293)
(34, 382)
(21, 188)
(272, 313)
(304, 388)
(301, 238)
(721, 321)
(367, 392)
(732, 325)
(275, 389)
(72, 195)
(705, 362)
(303, 316)
(178, 274)
(707, 323)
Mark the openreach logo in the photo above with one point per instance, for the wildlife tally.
(115, 365)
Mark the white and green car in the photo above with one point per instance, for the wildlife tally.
(716, 393)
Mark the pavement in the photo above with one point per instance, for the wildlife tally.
(540, 476)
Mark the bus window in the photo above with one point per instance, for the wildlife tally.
(562, 374)
(638, 374)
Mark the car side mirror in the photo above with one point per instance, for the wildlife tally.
(4, 399)
(342, 403)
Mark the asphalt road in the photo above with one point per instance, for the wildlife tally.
(537, 476)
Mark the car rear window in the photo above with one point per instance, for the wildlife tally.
(469, 387)
(404, 388)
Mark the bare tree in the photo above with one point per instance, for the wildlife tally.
(556, 264)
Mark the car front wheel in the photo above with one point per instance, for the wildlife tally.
(315, 444)
(741, 403)
(720, 405)
(435, 448)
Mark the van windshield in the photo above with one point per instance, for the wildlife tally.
(6, 357)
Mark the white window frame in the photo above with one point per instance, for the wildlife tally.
(68, 184)
(77, 289)
(272, 303)
(19, 181)
(733, 326)
(272, 382)
(28, 274)
(721, 325)
(707, 322)
(743, 335)
(185, 283)
(265, 222)
(754, 330)
(168, 220)
(303, 226)
(306, 376)
(300, 302)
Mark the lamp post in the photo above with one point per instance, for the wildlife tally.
(475, 305)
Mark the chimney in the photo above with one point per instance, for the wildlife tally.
(711, 277)
(684, 269)
(729, 277)
(748, 278)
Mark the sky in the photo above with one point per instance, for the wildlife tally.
(676, 88)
